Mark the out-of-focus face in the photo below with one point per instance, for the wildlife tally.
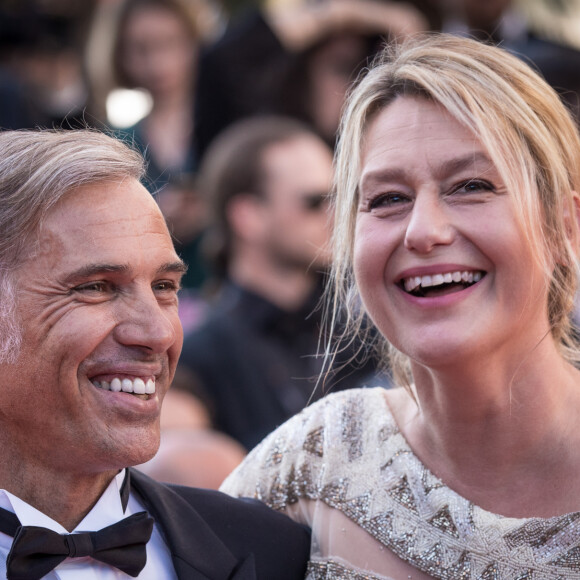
(185, 210)
(101, 337)
(331, 69)
(440, 258)
(478, 12)
(158, 52)
(298, 177)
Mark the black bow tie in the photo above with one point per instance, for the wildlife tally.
(36, 551)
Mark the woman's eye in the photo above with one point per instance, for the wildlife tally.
(473, 186)
(387, 200)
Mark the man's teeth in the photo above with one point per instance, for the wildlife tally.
(136, 386)
(438, 279)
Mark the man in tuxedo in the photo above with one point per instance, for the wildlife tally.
(89, 342)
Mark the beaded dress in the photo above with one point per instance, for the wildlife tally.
(342, 467)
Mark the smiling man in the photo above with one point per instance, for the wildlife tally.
(89, 342)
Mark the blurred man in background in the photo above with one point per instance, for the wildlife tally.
(268, 180)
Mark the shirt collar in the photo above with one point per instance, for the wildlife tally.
(107, 511)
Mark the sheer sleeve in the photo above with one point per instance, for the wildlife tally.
(302, 469)
(280, 458)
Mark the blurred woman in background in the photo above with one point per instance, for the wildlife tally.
(154, 45)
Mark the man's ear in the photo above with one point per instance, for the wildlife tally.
(246, 215)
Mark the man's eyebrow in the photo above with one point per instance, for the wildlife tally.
(91, 270)
(178, 267)
(95, 269)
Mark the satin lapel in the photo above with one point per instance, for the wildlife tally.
(247, 571)
(198, 553)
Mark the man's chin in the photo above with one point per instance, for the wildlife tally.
(143, 451)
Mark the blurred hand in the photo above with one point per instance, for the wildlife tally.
(299, 26)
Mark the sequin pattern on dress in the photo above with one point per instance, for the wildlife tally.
(347, 452)
(334, 571)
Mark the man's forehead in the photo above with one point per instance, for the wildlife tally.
(127, 198)
(105, 225)
(122, 205)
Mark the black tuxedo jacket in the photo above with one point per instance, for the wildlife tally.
(212, 536)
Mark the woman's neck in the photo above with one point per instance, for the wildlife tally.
(490, 429)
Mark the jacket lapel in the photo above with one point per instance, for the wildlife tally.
(197, 551)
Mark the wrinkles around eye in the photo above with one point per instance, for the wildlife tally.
(474, 186)
(94, 288)
(387, 200)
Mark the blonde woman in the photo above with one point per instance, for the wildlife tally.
(457, 227)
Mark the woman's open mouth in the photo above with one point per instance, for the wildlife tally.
(434, 285)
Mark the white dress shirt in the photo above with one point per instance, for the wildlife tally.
(107, 511)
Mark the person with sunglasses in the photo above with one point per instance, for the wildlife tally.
(268, 181)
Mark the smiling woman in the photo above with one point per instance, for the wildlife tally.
(456, 230)
(433, 205)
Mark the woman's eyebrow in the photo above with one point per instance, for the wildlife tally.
(451, 166)
(443, 169)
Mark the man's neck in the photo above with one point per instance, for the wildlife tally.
(66, 500)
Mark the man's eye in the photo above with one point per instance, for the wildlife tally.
(93, 287)
(166, 286)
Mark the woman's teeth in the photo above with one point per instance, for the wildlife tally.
(464, 277)
(136, 386)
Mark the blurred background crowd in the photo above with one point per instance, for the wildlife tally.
(236, 106)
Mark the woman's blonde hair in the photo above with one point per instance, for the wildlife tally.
(528, 133)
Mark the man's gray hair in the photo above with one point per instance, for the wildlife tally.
(38, 168)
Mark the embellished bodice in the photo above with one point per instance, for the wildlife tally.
(343, 467)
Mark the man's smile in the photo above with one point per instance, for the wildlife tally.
(126, 385)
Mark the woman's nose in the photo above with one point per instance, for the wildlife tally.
(429, 224)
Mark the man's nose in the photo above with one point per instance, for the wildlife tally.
(145, 323)
(429, 224)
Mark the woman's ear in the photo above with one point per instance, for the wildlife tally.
(572, 222)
